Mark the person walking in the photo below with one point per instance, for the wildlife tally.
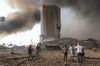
(30, 50)
(38, 50)
(71, 52)
(65, 51)
(79, 52)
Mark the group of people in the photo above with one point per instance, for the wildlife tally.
(71, 51)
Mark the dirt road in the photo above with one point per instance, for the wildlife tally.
(53, 58)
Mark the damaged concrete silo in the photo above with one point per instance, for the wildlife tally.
(50, 22)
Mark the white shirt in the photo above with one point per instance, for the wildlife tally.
(79, 48)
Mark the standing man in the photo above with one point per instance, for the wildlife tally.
(30, 50)
(79, 52)
(38, 50)
(65, 51)
(71, 52)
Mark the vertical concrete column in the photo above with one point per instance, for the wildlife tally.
(42, 28)
(50, 21)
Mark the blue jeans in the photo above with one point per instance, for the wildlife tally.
(79, 55)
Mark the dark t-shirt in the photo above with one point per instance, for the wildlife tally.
(30, 50)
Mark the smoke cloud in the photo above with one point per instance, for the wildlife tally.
(28, 15)
(85, 7)
(82, 20)
(77, 26)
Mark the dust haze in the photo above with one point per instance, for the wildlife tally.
(80, 18)
(81, 21)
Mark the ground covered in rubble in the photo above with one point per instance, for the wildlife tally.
(49, 58)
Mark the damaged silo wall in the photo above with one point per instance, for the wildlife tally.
(50, 20)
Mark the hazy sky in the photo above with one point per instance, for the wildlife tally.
(77, 26)
(74, 24)
(20, 38)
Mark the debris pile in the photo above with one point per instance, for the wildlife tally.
(89, 43)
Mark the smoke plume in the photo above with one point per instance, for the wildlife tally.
(83, 19)
(85, 7)
(28, 14)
